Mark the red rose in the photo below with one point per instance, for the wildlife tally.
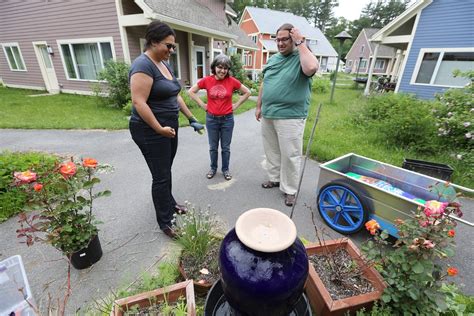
(67, 169)
(89, 162)
(452, 271)
(38, 187)
(451, 233)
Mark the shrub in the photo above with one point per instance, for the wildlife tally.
(401, 120)
(237, 70)
(320, 85)
(128, 108)
(116, 75)
(454, 116)
(12, 200)
(413, 267)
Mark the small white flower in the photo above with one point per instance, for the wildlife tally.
(204, 271)
(468, 135)
(450, 114)
(459, 156)
(466, 124)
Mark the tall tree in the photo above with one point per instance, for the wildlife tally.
(341, 24)
(378, 13)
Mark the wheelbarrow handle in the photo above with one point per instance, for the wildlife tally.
(462, 188)
(463, 221)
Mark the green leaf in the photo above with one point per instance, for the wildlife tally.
(418, 268)
(413, 293)
(449, 252)
(386, 298)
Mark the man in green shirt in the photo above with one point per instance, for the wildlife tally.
(282, 107)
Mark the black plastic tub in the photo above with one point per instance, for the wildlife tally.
(432, 169)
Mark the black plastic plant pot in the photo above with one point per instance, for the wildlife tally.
(86, 257)
(432, 169)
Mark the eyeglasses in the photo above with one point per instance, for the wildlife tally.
(222, 67)
(169, 45)
(283, 39)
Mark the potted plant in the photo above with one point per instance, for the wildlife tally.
(62, 203)
(200, 237)
(340, 279)
(159, 302)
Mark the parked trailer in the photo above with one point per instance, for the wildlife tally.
(353, 189)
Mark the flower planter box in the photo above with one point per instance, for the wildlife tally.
(201, 288)
(319, 297)
(169, 294)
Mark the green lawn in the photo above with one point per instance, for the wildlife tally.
(337, 135)
(60, 111)
(66, 111)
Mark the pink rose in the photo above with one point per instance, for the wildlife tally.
(24, 177)
(435, 208)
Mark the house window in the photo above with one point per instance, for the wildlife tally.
(174, 62)
(312, 44)
(436, 68)
(362, 48)
(363, 63)
(349, 63)
(254, 38)
(379, 64)
(14, 56)
(84, 59)
(249, 60)
(273, 36)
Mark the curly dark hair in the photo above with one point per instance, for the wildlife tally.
(157, 31)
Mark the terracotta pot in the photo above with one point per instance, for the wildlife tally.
(86, 257)
(169, 294)
(319, 297)
(200, 288)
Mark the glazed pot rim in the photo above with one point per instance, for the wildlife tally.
(265, 230)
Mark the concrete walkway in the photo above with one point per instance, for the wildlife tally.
(130, 238)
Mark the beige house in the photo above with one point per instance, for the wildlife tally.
(62, 45)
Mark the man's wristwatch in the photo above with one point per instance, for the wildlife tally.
(298, 43)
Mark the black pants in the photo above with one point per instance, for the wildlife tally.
(159, 152)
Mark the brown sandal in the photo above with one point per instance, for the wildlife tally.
(270, 184)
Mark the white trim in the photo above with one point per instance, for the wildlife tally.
(123, 33)
(177, 50)
(396, 39)
(407, 55)
(95, 40)
(81, 92)
(20, 86)
(133, 20)
(441, 52)
(14, 44)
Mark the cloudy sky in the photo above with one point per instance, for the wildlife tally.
(351, 9)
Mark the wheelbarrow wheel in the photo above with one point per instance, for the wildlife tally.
(342, 207)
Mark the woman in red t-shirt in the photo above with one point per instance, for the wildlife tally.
(219, 118)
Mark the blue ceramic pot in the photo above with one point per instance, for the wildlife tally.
(262, 283)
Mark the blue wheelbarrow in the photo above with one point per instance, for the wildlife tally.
(353, 189)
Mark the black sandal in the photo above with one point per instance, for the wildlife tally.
(211, 174)
(270, 184)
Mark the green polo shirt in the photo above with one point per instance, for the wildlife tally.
(286, 89)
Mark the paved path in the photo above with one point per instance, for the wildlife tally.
(130, 238)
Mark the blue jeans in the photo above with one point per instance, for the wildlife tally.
(220, 128)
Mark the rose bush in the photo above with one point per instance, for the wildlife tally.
(414, 267)
(62, 204)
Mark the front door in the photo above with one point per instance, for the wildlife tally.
(46, 67)
(199, 63)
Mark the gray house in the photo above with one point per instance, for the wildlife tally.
(361, 53)
(62, 45)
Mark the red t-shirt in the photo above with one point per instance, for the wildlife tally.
(219, 93)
